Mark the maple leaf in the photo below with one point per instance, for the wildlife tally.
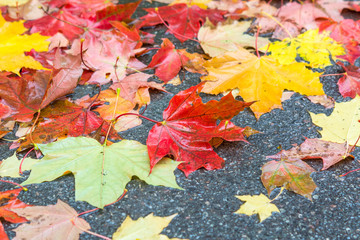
(63, 21)
(14, 43)
(216, 40)
(10, 167)
(183, 21)
(147, 228)
(9, 204)
(349, 84)
(101, 172)
(65, 119)
(257, 204)
(67, 71)
(130, 85)
(331, 153)
(185, 130)
(167, 61)
(12, 3)
(59, 221)
(23, 94)
(110, 104)
(311, 46)
(343, 123)
(260, 79)
(292, 174)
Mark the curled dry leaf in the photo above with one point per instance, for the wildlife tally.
(331, 153)
(57, 222)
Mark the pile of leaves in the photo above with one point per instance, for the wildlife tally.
(50, 47)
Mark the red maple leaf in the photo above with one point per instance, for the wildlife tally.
(8, 201)
(183, 21)
(65, 119)
(167, 61)
(349, 84)
(189, 125)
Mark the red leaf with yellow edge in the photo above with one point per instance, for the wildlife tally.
(183, 21)
(9, 201)
(65, 119)
(293, 174)
(186, 130)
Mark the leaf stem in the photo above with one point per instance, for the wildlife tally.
(64, 21)
(281, 190)
(335, 74)
(89, 232)
(82, 55)
(32, 128)
(14, 183)
(256, 41)
(21, 163)
(135, 114)
(92, 210)
(343, 175)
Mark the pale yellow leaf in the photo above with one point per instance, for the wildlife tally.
(257, 204)
(343, 123)
(147, 228)
(12, 3)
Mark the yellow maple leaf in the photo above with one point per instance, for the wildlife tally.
(259, 79)
(343, 123)
(257, 204)
(147, 228)
(311, 46)
(200, 3)
(14, 43)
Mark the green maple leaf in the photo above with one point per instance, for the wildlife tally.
(101, 172)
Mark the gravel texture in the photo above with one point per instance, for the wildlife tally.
(206, 206)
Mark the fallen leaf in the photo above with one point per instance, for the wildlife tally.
(258, 79)
(331, 153)
(12, 3)
(292, 174)
(311, 46)
(58, 222)
(167, 61)
(343, 123)
(10, 167)
(29, 11)
(257, 204)
(14, 43)
(147, 228)
(228, 36)
(65, 119)
(349, 84)
(9, 204)
(183, 21)
(101, 172)
(189, 125)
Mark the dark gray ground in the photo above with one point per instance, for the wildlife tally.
(205, 208)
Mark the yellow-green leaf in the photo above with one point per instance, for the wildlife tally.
(343, 123)
(313, 47)
(10, 166)
(13, 44)
(257, 204)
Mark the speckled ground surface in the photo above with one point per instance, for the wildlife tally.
(205, 208)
